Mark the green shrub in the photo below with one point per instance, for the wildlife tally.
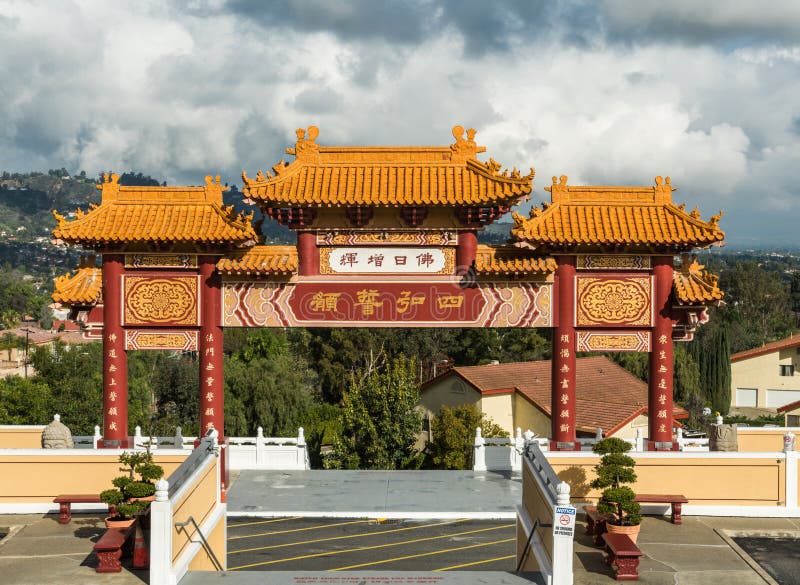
(616, 468)
(111, 497)
(139, 489)
(130, 509)
(121, 481)
(150, 472)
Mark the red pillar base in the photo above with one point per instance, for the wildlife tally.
(559, 446)
(114, 443)
(657, 446)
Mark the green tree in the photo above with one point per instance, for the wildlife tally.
(718, 371)
(453, 436)
(686, 373)
(636, 363)
(24, 401)
(74, 377)
(757, 307)
(322, 424)
(274, 395)
(482, 345)
(380, 423)
(711, 349)
(614, 470)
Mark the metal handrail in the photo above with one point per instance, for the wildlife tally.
(207, 546)
(525, 550)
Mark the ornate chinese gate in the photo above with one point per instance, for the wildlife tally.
(387, 236)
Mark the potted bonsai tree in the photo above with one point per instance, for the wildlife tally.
(121, 513)
(129, 496)
(617, 500)
(140, 464)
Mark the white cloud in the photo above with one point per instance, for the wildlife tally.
(100, 86)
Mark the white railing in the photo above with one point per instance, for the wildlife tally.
(257, 452)
(262, 452)
(691, 443)
(505, 454)
(169, 520)
(501, 453)
(545, 520)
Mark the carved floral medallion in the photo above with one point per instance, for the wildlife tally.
(161, 300)
(613, 301)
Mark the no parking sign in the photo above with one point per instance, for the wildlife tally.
(564, 521)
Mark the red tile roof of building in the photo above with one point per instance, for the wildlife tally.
(771, 347)
(789, 407)
(607, 396)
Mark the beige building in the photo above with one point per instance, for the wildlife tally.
(518, 395)
(767, 376)
(791, 415)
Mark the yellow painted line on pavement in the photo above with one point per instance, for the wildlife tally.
(425, 554)
(483, 562)
(373, 547)
(265, 521)
(299, 529)
(345, 537)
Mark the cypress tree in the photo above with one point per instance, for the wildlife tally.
(722, 402)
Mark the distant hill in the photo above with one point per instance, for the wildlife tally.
(26, 201)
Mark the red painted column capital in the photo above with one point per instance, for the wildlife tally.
(659, 403)
(212, 386)
(563, 378)
(115, 360)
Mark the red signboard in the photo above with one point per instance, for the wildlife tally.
(395, 302)
(386, 304)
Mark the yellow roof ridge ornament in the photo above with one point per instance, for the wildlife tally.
(214, 188)
(306, 142)
(109, 187)
(663, 189)
(465, 148)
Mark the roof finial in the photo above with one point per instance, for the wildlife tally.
(464, 148)
(664, 189)
(110, 186)
(305, 142)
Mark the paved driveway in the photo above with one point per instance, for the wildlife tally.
(376, 494)
(336, 544)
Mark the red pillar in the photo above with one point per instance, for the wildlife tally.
(466, 251)
(563, 361)
(660, 386)
(115, 360)
(212, 388)
(307, 254)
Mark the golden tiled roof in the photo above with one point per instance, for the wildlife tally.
(156, 214)
(511, 260)
(695, 285)
(260, 260)
(387, 175)
(615, 216)
(84, 287)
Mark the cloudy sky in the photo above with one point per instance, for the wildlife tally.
(606, 92)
